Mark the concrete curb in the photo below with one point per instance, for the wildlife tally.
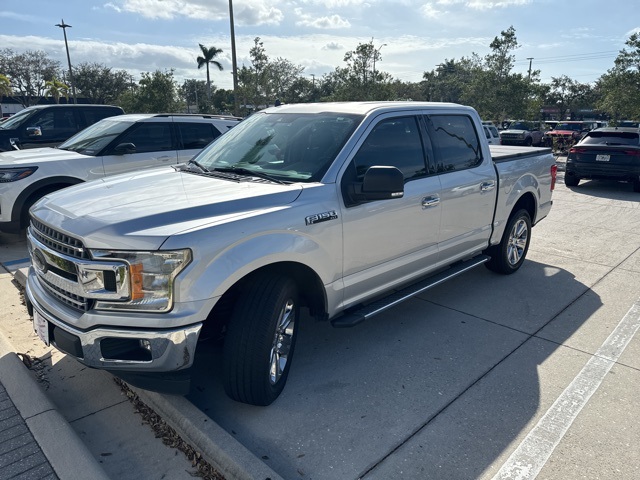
(67, 454)
(218, 447)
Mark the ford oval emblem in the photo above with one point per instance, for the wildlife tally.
(39, 262)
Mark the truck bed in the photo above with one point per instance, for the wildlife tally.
(503, 153)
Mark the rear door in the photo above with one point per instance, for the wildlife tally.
(468, 185)
(193, 136)
(155, 146)
(388, 241)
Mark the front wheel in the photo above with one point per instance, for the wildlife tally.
(260, 340)
(508, 256)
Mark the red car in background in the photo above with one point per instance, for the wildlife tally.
(566, 134)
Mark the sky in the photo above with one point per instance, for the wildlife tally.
(578, 39)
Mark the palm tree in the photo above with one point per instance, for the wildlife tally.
(56, 89)
(5, 86)
(208, 55)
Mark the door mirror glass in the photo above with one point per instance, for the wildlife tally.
(34, 131)
(124, 148)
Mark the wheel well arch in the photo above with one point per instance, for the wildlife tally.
(310, 287)
(37, 190)
(528, 202)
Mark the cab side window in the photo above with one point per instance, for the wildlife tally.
(149, 137)
(55, 122)
(196, 135)
(393, 142)
(455, 142)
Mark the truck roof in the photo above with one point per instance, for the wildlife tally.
(360, 108)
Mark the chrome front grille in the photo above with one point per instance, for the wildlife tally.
(58, 241)
(71, 299)
(66, 270)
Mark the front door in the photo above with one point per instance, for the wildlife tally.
(388, 240)
(154, 144)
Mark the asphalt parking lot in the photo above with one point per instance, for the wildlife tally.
(486, 376)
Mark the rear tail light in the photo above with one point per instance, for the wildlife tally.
(635, 153)
(554, 173)
(577, 150)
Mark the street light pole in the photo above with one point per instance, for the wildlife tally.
(233, 60)
(375, 56)
(64, 27)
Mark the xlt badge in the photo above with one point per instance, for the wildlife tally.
(321, 217)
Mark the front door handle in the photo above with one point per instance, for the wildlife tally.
(431, 201)
(487, 186)
(164, 159)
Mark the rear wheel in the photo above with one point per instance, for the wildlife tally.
(571, 180)
(508, 256)
(260, 340)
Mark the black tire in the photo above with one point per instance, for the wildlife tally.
(571, 180)
(509, 255)
(260, 340)
(528, 142)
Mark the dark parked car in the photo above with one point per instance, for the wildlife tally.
(50, 125)
(612, 153)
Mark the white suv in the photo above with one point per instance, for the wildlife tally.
(111, 146)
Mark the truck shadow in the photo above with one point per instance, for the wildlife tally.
(437, 387)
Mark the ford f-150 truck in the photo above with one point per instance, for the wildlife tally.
(345, 209)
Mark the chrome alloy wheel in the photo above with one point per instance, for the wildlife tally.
(517, 241)
(282, 340)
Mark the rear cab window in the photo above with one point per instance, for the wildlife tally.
(455, 141)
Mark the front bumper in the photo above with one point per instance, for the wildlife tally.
(116, 349)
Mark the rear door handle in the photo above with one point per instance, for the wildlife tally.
(487, 186)
(431, 201)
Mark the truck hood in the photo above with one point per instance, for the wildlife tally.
(34, 156)
(514, 131)
(141, 210)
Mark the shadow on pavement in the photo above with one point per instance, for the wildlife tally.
(376, 401)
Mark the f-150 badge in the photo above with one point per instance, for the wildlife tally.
(321, 217)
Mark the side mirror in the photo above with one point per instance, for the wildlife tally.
(34, 131)
(124, 148)
(382, 183)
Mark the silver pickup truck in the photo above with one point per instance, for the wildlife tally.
(345, 209)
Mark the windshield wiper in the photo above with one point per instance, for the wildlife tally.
(248, 172)
(194, 162)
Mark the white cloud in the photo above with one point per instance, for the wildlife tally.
(250, 12)
(491, 4)
(333, 46)
(429, 11)
(331, 22)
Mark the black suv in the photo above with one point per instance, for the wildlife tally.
(50, 125)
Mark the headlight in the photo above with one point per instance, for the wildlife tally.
(150, 275)
(13, 174)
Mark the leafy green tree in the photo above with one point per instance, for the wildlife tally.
(619, 88)
(208, 57)
(101, 84)
(194, 92)
(56, 89)
(156, 93)
(5, 86)
(360, 79)
(28, 72)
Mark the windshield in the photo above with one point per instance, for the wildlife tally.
(93, 139)
(285, 146)
(520, 126)
(16, 120)
(569, 126)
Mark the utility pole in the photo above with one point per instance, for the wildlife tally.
(64, 27)
(313, 88)
(233, 60)
(530, 60)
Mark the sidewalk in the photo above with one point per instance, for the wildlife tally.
(36, 442)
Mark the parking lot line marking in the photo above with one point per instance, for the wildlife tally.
(534, 451)
(15, 262)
